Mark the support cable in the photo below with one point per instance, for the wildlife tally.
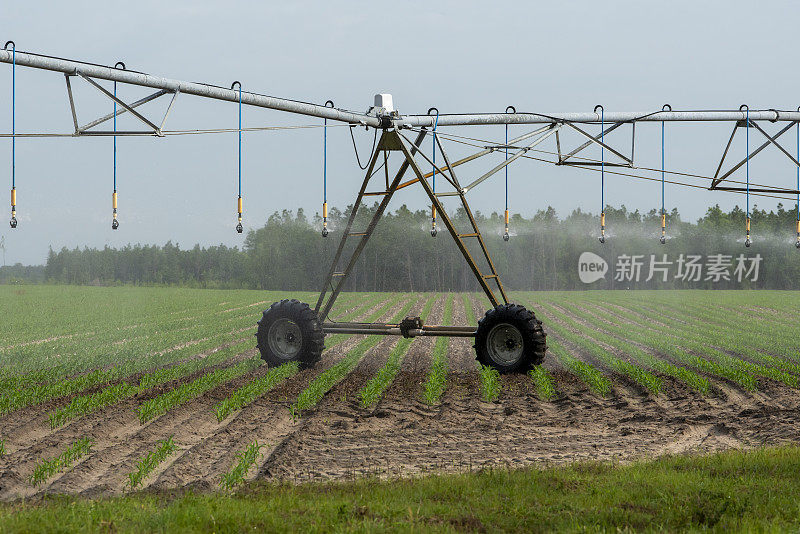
(239, 203)
(509, 109)
(13, 221)
(325, 174)
(747, 241)
(663, 238)
(114, 221)
(374, 141)
(433, 181)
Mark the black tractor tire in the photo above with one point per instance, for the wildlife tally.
(511, 339)
(290, 331)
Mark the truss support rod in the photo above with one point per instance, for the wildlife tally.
(724, 155)
(774, 142)
(123, 104)
(110, 116)
(169, 108)
(587, 143)
(72, 103)
(474, 156)
(513, 158)
(593, 139)
(752, 154)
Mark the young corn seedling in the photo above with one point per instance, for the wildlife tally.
(315, 391)
(490, 383)
(436, 382)
(596, 380)
(372, 392)
(247, 459)
(151, 460)
(47, 468)
(545, 389)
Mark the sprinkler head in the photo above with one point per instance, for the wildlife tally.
(114, 224)
(747, 242)
(663, 240)
(434, 231)
(239, 228)
(13, 222)
(324, 231)
(602, 239)
(505, 236)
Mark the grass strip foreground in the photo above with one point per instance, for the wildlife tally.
(733, 491)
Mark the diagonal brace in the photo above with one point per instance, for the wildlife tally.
(476, 155)
(110, 116)
(771, 139)
(553, 129)
(156, 129)
(596, 139)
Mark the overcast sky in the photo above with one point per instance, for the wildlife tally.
(459, 56)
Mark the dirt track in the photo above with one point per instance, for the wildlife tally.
(401, 436)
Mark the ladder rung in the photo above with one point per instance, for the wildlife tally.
(338, 274)
(468, 235)
(486, 277)
(376, 193)
(356, 233)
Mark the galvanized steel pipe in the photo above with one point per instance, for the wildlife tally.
(198, 89)
(24, 59)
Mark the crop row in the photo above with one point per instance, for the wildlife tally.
(436, 381)
(312, 394)
(84, 404)
(376, 386)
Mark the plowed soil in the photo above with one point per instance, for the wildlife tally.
(400, 436)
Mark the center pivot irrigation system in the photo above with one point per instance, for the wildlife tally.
(508, 337)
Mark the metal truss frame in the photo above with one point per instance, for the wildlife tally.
(393, 141)
(771, 139)
(89, 127)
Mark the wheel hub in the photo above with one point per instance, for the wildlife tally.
(285, 338)
(505, 345)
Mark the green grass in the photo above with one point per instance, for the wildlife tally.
(48, 468)
(735, 491)
(246, 459)
(150, 461)
(436, 381)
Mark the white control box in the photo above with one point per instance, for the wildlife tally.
(384, 100)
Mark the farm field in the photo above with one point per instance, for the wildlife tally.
(105, 390)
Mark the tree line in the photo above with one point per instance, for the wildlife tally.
(542, 253)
